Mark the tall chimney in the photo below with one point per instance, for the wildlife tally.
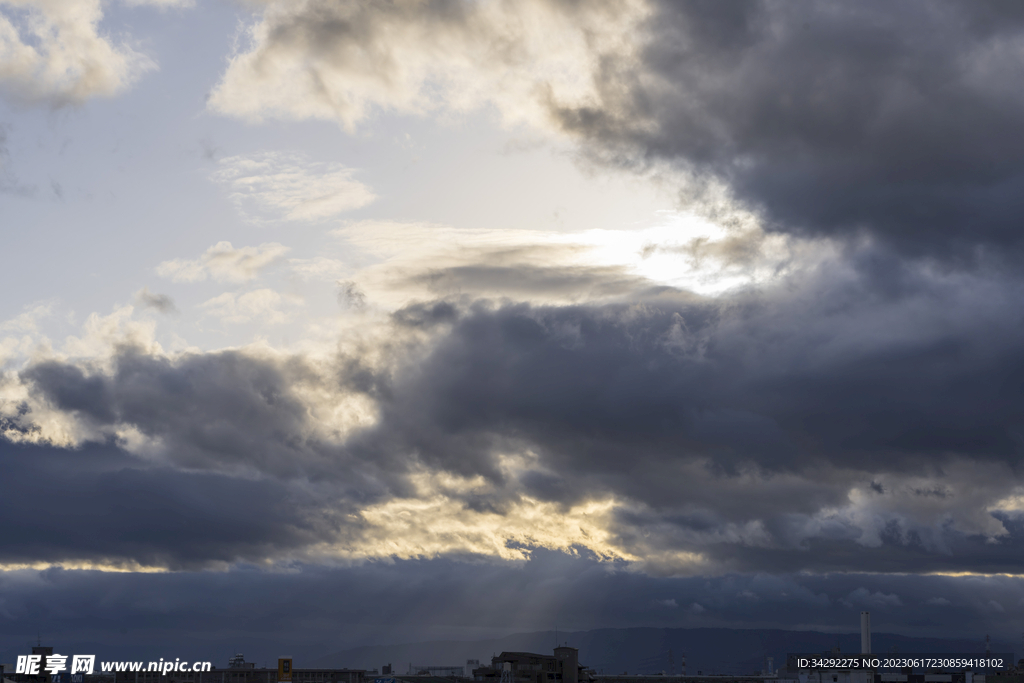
(865, 633)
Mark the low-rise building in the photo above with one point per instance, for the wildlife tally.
(528, 667)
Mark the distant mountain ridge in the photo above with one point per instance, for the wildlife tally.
(646, 650)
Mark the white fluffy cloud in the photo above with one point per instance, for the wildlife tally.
(281, 186)
(52, 51)
(263, 304)
(318, 268)
(340, 60)
(223, 263)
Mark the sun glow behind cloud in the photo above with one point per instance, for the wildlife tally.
(680, 251)
(690, 253)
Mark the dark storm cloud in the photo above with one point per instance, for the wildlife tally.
(739, 422)
(837, 422)
(783, 382)
(900, 551)
(212, 615)
(101, 506)
(903, 120)
(216, 410)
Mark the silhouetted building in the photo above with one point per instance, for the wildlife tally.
(440, 671)
(528, 667)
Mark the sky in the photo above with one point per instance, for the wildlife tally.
(337, 322)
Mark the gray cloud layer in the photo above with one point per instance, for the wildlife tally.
(837, 422)
(100, 506)
(833, 118)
